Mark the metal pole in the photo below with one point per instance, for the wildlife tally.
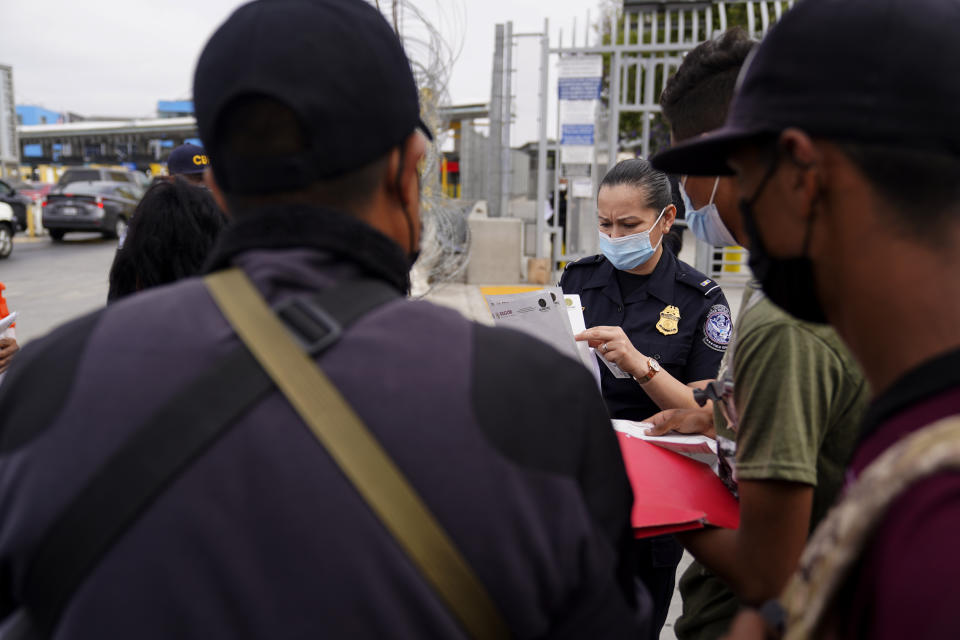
(557, 175)
(494, 171)
(506, 181)
(542, 147)
(614, 111)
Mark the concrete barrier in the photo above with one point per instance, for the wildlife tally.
(496, 251)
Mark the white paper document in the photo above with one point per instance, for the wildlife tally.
(612, 366)
(6, 331)
(578, 325)
(699, 447)
(575, 308)
(536, 313)
(547, 315)
(541, 314)
(7, 321)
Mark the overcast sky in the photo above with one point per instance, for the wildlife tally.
(118, 57)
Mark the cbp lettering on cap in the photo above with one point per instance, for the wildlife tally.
(189, 162)
(845, 143)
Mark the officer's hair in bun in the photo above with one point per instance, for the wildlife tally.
(640, 174)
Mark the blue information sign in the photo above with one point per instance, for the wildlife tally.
(580, 88)
(578, 134)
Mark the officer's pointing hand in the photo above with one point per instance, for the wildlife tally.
(698, 421)
(612, 343)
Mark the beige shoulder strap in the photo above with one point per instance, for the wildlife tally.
(358, 454)
(838, 541)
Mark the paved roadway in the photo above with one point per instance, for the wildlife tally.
(49, 283)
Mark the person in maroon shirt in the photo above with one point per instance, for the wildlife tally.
(909, 568)
(845, 142)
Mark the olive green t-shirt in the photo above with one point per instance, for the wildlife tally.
(800, 397)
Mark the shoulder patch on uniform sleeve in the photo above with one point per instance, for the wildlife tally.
(718, 327)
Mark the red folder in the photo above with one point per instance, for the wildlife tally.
(673, 493)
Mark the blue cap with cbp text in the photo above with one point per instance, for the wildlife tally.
(867, 71)
(187, 158)
(337, 64)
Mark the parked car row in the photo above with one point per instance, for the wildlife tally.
(83, 199)
(7, 225)
(96, 205)
(13, 195)
(89, 199)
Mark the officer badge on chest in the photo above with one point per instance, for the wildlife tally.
(669, 319)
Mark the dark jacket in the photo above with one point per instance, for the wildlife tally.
(262, 536)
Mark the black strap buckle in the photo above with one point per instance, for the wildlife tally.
(709, 392)
(313, 327)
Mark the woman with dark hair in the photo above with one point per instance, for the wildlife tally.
(662, 322)
(172, 231)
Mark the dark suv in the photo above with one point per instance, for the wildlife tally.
(89, 174)
(90, 204)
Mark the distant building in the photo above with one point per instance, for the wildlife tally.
(33, 114)
(174, 108)
(9, 147)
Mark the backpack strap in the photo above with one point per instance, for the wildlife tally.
(168, 443)
(359, 455)
(838, 542)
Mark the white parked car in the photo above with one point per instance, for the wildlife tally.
(8, 224)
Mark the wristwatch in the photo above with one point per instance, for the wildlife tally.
(653, 369)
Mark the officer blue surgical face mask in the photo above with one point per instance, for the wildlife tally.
(629, 252)
(705, 222)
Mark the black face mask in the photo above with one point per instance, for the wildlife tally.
(788, 282)
(414, 254)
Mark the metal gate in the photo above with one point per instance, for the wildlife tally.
(643, 45)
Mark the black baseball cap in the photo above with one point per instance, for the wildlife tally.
(868, 71)
(337, 64)
(187, 158)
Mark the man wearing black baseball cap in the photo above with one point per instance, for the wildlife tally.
(507, 505)
(844, 139)
(792, 397)
(188, 161)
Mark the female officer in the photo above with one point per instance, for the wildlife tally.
(660, 320)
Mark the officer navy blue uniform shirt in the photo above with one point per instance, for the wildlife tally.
(676, 315)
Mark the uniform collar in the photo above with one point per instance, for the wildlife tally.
(660, 285)
(300, 226)
(662, 280)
